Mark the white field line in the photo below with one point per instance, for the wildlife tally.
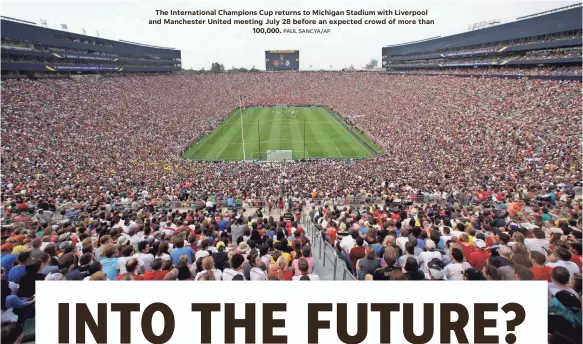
(337, 148)
(207, 139)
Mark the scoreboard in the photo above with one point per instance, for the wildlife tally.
(282, 60)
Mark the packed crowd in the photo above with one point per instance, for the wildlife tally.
(90, 140)
(87, 163)
(527, 239)
(559, 71)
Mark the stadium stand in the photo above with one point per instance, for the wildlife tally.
(480, 179)
(32, 50)
(551, 40)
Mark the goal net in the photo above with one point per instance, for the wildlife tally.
(278, 155)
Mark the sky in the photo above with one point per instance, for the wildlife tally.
(239, 46)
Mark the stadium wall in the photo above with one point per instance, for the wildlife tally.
(57, 55)
(547, 24)
(548, 62)
(566, 43)
(51, 67)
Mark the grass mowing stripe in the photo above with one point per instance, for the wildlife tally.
(351, 134)
(341, 142)
(325, 137)
(324, 150)
(189, 154)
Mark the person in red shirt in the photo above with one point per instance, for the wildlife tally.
(332, 234)
(539, 270)
(479, 257)
(156, 274)
(131, 267)
(357, 252)
(465, 244)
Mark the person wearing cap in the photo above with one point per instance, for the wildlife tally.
(435, 270)
(243, 248)
(348, 242)
(472, 274)
(8, 258)
(479, 257)
(565, 317)
(221, 256)
(427, 255)
(412, 271)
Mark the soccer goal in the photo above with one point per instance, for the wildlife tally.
(278, 155)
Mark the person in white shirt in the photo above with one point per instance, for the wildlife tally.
(236, 268)
(455, 271)
(208, 266)
(403, 239)
(349, 241)
(127, 253)
(539, 243)
(426, 256)
(257, 273)
(168, 228)
(144, 255)
(203, 251)
(562, 257)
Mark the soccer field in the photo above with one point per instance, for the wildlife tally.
(309, 132)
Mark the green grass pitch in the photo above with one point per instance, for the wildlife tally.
(281, 129)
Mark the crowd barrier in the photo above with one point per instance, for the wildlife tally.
(326, 252)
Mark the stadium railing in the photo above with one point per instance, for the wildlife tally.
(326, 252)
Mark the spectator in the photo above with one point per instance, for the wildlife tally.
(304, 275)
(559, 280)
(367, 265)
(539, 270)
(455, 270)
(479, 257)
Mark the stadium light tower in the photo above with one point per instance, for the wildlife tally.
(64, 27)
(43, 23)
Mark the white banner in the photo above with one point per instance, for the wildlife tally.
(291, 312)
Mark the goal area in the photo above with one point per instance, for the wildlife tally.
(278, 155)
